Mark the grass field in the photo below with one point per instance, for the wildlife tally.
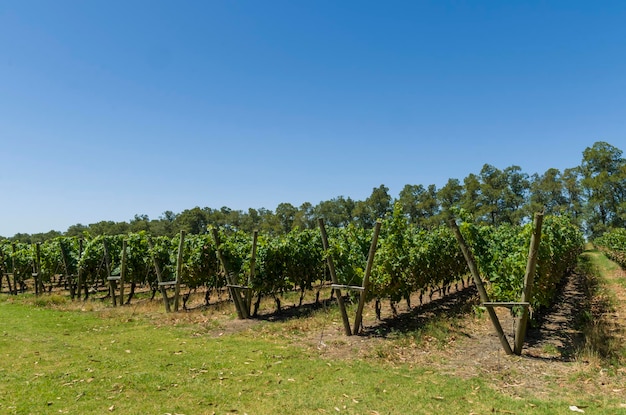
(62, 357)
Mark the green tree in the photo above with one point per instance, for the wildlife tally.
(193, 221)
(516, 195)
(305, 217)
(547, 192)
(286, 216)
(337, 212)
(492, 185)
(604, 183)
(471, 200)
(409, 199)
(503, 195)
(428, 207)
(377, 205)
(450, 195)
(573, 193)
(140, 223)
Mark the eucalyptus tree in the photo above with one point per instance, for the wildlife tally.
(492, 185)
(337, 212)
(286, 216)
(471, 200)
(603, 172)
(376, 206)
(516, 195)
(503, 195)
(193, 221)
(573, 192)
(305, 217)
(548, 192)
(450, 195)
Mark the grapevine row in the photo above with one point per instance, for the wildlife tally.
(613, 244)
(408, 260)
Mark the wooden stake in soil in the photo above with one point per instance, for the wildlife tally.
(68, 275)
(122, 271)
(366, 279)
(333, 276)
(529, 277)
(179, 270)
(479, 285)
(36, 266)
(81, 282)
(110, 278)
(233, 287)
(248, 293)
(160, 283)
(14, 270)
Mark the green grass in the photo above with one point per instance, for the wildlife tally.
(73, 362)
(121, 361)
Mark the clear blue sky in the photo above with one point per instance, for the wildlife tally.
(114, 108)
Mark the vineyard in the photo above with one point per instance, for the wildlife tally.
(408, 260)
(613, 244)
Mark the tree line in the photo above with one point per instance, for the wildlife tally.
(593, 194)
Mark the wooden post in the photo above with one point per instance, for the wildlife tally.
(107, 261)
(333, 276)
(529, 277)
(14, 270)
(36, 266)
(123, 271)
(366, 279)
(157, 268)
(34, 274)
(80, 274)
(248, 293)
(479, 285)
(5, 272)
(1, 269)
(67, 271)
(179, 270)
(234, 292)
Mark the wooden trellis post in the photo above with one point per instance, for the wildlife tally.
(179, 270)
(2, 273)
(123, 271)
(248, 292)
(243, 311)
(335, 281)
(112, 279)
(81, 281)
(363, 289)
(479, 285)
(70, 277)
(366, 279)
(14, 273)
(160, 282)
(529, 276)
(36, 266)
(522, 324)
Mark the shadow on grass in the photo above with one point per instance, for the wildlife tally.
(453, 305)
